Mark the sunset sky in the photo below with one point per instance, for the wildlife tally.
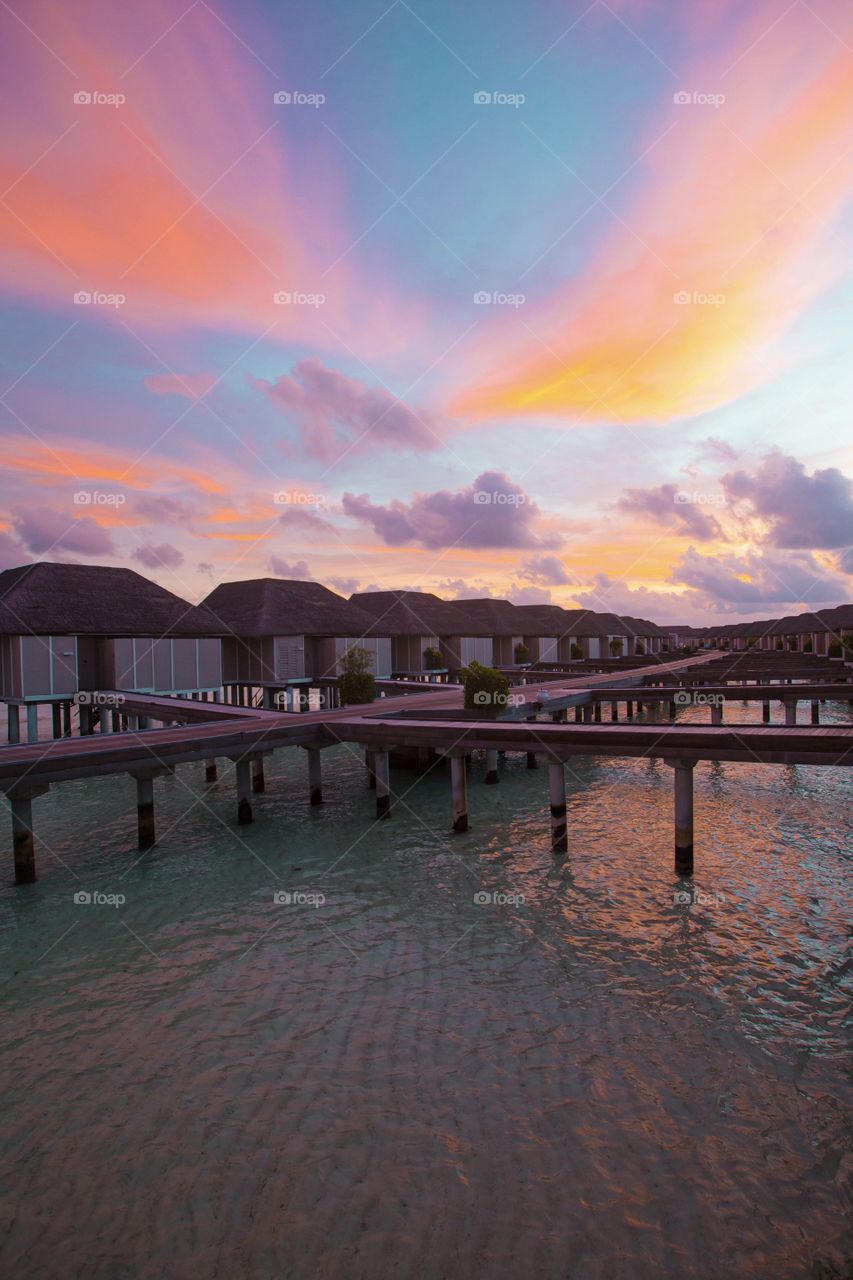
(548, 301)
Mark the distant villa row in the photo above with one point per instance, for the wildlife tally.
(70, 627)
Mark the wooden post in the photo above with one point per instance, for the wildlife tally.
(258, 779)
(14, 725)
(210, 774)
(815, 713)
(629, 710)
(369, 767)
(56, 716)
(85, 713)
(105, 720)
(459, 785)
(22, 837)
(597, 712)
(765, 712)
(614, 712)
(532, 762)
(578, 715)
(32, 722)
(790, 711)
(492, 767)
(717, 713)
(315, 776)
(381, 772)
(557, 795)
(66, 719)
(683, 817)
(244, 791)
(145, 810)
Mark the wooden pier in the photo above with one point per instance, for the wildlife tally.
(428, 720)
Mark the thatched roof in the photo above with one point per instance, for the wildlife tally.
(407, 613)
(86, 599)
(284, 607)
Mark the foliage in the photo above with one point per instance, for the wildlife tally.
(808, 647)
(616, 647)
(639, 648)
(357, 683)
(834, 650)
(576, 650)
(522, 652)
(432, 658)
(779, 645)
(486, 690)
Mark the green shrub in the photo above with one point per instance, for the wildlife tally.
(522, 652)
(432, 658)
(486, 690)
(616, 647)
(357, 683)
(808, 647)
(639, 648)
(576, 651)
(834, 650)
(779, 645)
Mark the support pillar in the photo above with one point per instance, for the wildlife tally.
(145, 810)
(56, 717)
(13, 713)
(210, 774)
(532, 762)
(244, 791)
(597, 713)
(815, 713)
(629, 710)
(791, 711)
(492, 767)
(382, 774)
(371, 772)
(105, 720)
(557, 795)
(614, 712)
(258, 780)
(717, 713)
(459, 784)
(32, 722)
(315, 776)
(683, 770)
(765, 712)
(22, 838)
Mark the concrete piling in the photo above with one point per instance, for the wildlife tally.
(557, 796)
(145, 810)
(683, 770)
(492, 767)
(382, 773)
(315, 776)
(244, 791)
(459, 785)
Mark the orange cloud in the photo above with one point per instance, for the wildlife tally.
(729, 217)
(81, 462)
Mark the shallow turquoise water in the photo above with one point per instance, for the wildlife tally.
(595, 1081)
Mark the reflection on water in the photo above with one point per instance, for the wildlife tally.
(577, 1076)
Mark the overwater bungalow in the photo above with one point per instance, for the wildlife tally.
(70, 628)
(280, 629)
(422, 625)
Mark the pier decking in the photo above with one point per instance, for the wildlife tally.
(428, 718)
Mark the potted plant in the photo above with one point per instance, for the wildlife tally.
(576, 650)
(616, 647)
(432, 658)
(357, 683)
(522, 652)
(486, 690)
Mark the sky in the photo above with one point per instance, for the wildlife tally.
(550, 302)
